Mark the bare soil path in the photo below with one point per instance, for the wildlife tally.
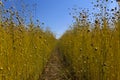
(54, 69)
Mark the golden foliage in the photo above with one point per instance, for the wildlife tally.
(92, 54)
(23, 51)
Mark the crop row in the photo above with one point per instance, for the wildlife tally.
(24, 51)
(92, 54)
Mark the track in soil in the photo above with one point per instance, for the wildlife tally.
(54, 69)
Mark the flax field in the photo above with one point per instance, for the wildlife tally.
(84, 52)
(24, 49)
(92, 54)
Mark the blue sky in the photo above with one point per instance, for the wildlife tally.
(55, 13)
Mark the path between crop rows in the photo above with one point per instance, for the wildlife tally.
(54, 69)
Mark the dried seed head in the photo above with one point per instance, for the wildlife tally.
(40, 37)
(104, 64)
(96, 48)
(1, 3)
(88, 30)
(1, 68)
(92, 44)
(96, 21)
(80, 49)
(112, 9)
(85, 62)
(35, 47)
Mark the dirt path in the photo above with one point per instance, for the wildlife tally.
(54, 69)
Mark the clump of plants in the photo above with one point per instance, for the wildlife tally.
(92, 52)
(24, 48)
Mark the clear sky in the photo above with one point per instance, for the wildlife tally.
(55, 13)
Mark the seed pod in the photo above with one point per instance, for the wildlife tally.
(80, 49)
(85, 62)
(92, 44)
(96, 21)
(96, 48)
(112, 9)
(40, 37)
(1, 68)
(104, 64)
(1, 3)
(88, 30)
(35, 47)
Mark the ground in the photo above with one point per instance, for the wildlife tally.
(54, 69)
